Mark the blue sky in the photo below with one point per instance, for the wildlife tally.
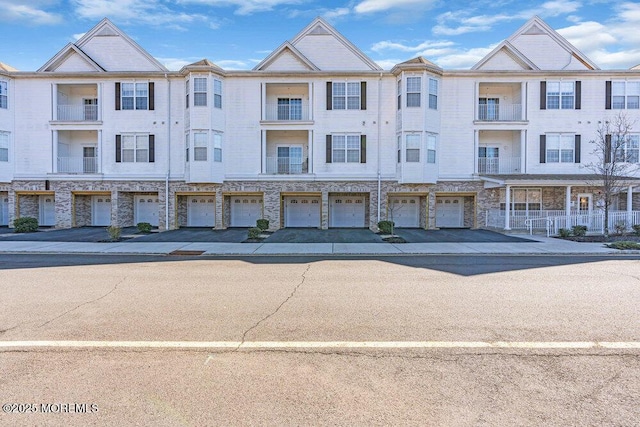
(237, 34)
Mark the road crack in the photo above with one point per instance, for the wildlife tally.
(273, 313)
(84, 303)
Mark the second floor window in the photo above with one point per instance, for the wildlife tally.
(217, 93)
(4, 146)
(4, 94)
(346, 95)
(560, 148)
(412, 148)
(628, 149)
(199, 92)
(200, 146)
(135, 148)
(346, 148)
(414, 85)
(134, 96)
(431, 148)
(560, 95)
(217, 147)
(625, 95)
(433, 94)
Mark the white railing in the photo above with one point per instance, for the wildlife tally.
(520, 220)
(499, 112)
(287, 112)
(77, 164)
(77, 113)
(594, 221)
(287, 165)
(498, 165)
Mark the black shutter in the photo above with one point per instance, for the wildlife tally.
(118, 149)
(329, 96)
(607, 148)
(117, 95)
(363, 148)
(577, 149)
(543, 148)
(329, 140)
(607, 95)
(363, 95)
(151, 96)
(543, 95)
(152, 148)
(578, 96)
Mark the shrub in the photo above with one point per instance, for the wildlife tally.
(386, 227)
(624, 245)
(620, 228)
(144, 227)
(26, 224)
(254, 233)
(579, 230)
(636, 229)
(262, 224)
(114, 232)
(564, 232)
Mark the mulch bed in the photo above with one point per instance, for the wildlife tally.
(603, 239)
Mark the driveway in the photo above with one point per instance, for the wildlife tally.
(193, 234)
(456, 235)
(333, 235)
(80, 234)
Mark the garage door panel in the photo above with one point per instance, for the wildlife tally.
(4, 210)
(146, 210)
(404, 211)
(347, 211)
(449, 212)
(245, 211)
(101, 210)
(201, 211)
(302, 211)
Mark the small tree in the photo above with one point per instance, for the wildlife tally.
(392, 209)
(614, 161)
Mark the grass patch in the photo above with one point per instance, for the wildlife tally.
(622, 245)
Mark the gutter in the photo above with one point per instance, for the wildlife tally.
(166, 183)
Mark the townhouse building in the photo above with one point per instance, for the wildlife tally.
(316, 135)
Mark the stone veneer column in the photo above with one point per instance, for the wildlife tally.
(63, 204)
(324, 213)
(271, 208)
(431, 211)
(219, 202)
(12, 206)
(114, 208)
(162, 209)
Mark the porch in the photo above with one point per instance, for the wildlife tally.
(287, 152)
(76, 103)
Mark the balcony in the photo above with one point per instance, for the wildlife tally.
(498, 165)
(77, 113)
(287, 165)
(291, 112)
(499, 112)
(78, 165)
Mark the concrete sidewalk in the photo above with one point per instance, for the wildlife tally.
(542, 245)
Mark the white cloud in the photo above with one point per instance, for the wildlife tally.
(333, 14)
(78, 36)
(33, 13)
(244, 7)
(231, 64)
(428, 44)
(174, 64)
(150, 12)
(373, 6)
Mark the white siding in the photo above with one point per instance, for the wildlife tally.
(328, 53)
(113, 53)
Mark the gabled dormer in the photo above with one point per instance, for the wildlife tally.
(71, 59)
(505, 57)
(286, 58)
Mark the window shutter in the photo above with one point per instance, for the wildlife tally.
(329, 139)
(118, 148)
(543, 95)
(607, 95)
(543, 148)
(578, 96)
(117, 95)
(151, 96)
(576, 151)
(363, 148)
(329, 96)
(607, 148)
(363, 95)
(152, 148)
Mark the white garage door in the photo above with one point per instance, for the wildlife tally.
(449, 211)
(302, 211)
(245, 210)
(4, 210)
(146, 210)
(404, 211)
(346, 211)
(101, 210)
(201, 211)
(47, 211)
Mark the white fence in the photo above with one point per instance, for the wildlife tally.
(498, 165)
(77, 164)
(499, 112)
(78, 113)
(286, 165)
(287, 112)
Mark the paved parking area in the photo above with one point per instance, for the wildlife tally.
(456, 235)
(332, 235)
(201, 235)
(80, 234)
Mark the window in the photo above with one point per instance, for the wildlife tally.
(199, 92)
(346, 96)
(399, 148)
(200, 146)
(433, 94)
(627, 150)
(289, 108)
(560, 148)
(217, 147)
(217, 93)
(414, 85)
(186, 146)
(525, 199)
(560, 95)
(431, 148)
(625, 95)
(187, 89)
(4, 94)
(412, 153)
(134, 96)
(399, 94)
(346, 149)
(136, 148)
(4, 146)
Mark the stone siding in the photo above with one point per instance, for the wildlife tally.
(82, 210)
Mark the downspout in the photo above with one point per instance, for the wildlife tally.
(379, 142)
(166, 182)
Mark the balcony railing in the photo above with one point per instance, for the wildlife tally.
(499, 112)
(287, 112)
(77, 113)
(498, 165)
(287, 165)
(77, 164)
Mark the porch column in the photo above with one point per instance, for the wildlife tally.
(310, 106)
(263, 142)
(567, 206)
(523, 101)
(54, 150)
(310, 152)
(507, 209)
(263, 108)
(54, 100)
(630, 207)
(523, 148)
(476, 144)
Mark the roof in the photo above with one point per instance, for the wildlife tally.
(418, 62)
(550, 179)
(6, 67)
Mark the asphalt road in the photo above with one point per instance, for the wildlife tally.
(465, 340)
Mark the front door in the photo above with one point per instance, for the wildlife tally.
(290, 159)
(90, 109)
(89, 160)
(488, 159)
(47, 214)
(489, 109)
(449, 211)
(584, 209)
